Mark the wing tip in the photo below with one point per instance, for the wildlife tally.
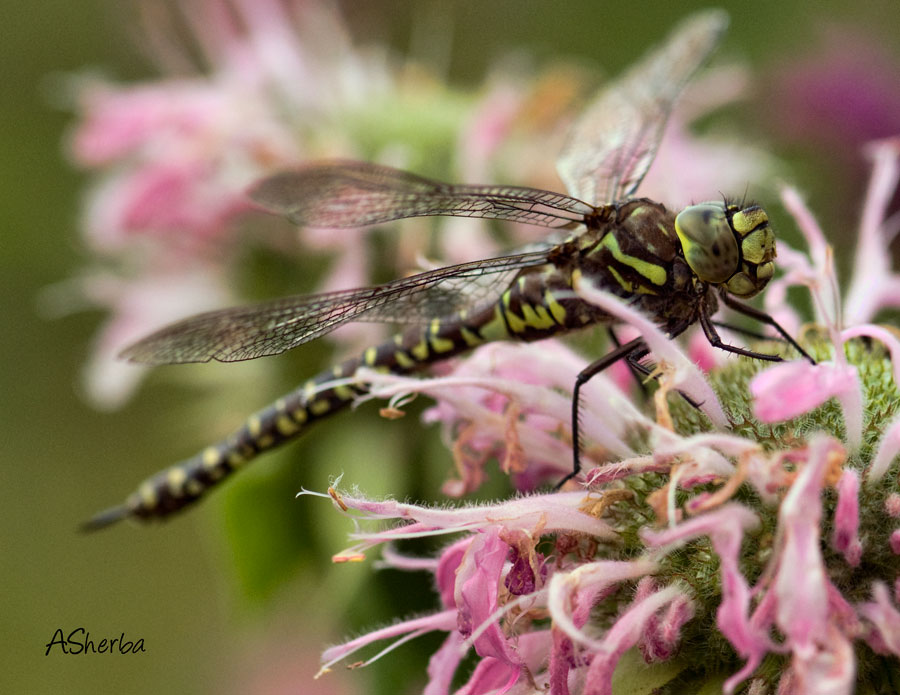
(268, 193)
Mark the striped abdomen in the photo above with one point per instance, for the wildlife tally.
(535, 306)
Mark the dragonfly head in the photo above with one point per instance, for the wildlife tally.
(728, 245)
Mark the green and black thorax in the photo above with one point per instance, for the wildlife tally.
(671, 266)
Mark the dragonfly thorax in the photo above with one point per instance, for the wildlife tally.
(728, 246)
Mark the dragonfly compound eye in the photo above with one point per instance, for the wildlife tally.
(709, 245)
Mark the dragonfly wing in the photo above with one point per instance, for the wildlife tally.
(356, 194)
(270, 328)
(612, 144)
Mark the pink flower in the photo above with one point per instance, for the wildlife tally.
(801, 585)
(625, 633)
(724, 524)
(157, 299)
(728, 164)
(785, 391)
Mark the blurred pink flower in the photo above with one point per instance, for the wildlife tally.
(840, 95)
(276, 82)
(687, 168)
(151, 299)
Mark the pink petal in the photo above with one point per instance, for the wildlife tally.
(801, 584)
(562, 660)
(725, 528)
(490, 675)
(829, 670)
(790, 389)
(845, 538)
(136, 309)
(558, 512)
(624, 634)
(888, 448)
(120, 120)
(445, 620)
(867, 292)
(663, 632)
(885, 619)
(894, 541)
(476, 596)
(807, 224)
(892, 505)
(443, 664)
(448, 565)
(882, 335)
(702, 353)
(571, 595)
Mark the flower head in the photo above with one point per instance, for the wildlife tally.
(750, 536)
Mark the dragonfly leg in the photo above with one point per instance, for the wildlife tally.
(762, 317)
(712, 335)
(743, 331)
(638, 370)
(636, 346)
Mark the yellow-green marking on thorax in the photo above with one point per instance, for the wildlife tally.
(653, 272)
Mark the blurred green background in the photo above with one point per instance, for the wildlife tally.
(213, 621)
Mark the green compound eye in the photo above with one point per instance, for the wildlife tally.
(709, 245)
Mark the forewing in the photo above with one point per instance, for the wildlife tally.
(612, 144)
(243, 333)
(356, 194)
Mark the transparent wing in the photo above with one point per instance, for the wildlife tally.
(612, 144)
(356, 194)
(243, 333)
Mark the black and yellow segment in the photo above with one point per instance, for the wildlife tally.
(534, 307)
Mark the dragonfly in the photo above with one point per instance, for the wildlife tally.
(674, 266)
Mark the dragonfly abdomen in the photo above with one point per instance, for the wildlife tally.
(535, 306)
(182, 484)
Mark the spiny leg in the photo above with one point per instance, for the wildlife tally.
(716, 341)
(623, 351)
(744, 331)
(756, 315)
